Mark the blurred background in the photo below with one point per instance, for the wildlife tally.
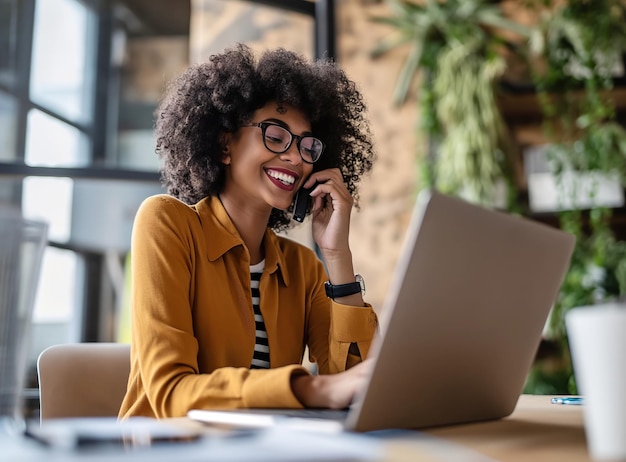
(80, 80)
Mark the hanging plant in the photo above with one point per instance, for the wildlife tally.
(455, 46)
(473, 150)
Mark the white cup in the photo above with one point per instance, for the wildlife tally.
(597, 338)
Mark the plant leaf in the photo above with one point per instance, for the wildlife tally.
(408, 71)
(388, 44)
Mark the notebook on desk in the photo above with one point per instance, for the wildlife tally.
(461, 323)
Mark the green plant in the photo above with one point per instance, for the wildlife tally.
(455, 46)
(574, 49)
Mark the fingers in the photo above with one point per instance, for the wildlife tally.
(324, 391)
(323, 176)
(334, 391)
(330, 185)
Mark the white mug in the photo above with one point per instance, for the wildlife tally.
(597, 338)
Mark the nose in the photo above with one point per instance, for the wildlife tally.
(292, 154)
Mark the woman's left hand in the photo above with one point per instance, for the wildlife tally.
(332, 205)
(332, 391)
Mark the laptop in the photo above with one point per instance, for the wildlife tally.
(460, 325)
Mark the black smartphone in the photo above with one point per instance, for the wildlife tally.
(302, 203)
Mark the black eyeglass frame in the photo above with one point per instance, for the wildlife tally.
(263, 126)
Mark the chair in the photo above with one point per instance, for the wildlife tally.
(22, 245)
(82, 379)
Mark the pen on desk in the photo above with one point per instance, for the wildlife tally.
(567, 400)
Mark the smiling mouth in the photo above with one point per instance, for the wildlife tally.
(282, 177)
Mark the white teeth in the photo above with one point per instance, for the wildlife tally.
(287, 179)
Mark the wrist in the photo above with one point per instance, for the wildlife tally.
(308, 389)
(339, 267)
(336, 256)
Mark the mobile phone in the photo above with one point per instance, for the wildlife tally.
(567, 400)
(303, 199)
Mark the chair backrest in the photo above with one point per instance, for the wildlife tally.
(83, 379)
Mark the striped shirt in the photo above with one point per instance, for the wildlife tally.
(261, 357)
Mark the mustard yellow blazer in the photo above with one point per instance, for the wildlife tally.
(193, 329)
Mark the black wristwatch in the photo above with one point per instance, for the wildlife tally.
(343, 290)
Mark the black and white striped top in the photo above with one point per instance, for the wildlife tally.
(261, 357)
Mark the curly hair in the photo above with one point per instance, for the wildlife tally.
(219, 96)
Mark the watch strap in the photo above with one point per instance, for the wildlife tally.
(343, 290)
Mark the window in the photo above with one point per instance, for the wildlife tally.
(62, 54)
(58, 134)
(47, 92)
(50, 142)
(221, 23)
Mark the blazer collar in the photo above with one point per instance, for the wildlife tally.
(222, 236)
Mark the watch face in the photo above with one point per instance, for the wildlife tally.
(358, 278)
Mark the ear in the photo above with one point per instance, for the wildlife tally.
(224, 142)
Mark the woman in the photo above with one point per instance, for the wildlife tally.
(222, 307)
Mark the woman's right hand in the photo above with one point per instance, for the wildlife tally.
(334, 391)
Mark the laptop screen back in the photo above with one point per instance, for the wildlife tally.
(463, 318)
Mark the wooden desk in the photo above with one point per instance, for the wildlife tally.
(537, 431)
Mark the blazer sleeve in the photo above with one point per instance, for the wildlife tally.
(334, 327)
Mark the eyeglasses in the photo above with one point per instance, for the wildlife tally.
(278, 139)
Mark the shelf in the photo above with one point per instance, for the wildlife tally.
(522, 107)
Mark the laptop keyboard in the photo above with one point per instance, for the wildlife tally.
(326, 414)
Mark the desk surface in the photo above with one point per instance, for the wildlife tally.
(537, 431)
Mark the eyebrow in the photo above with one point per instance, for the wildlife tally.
(283, 124)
